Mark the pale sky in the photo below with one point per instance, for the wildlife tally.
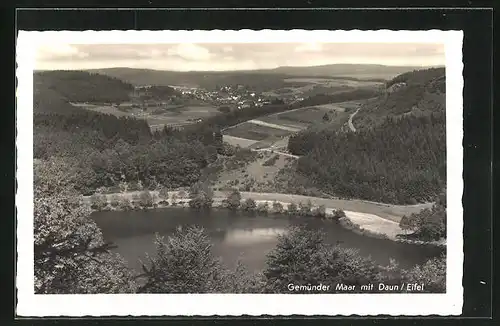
(234, 56)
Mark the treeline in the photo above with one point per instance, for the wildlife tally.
(357, 94)
(401, 161)
(109, 126)
(418, 77)
(158, 93)
(423, 94)
(82, 86)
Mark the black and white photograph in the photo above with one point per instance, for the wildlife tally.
(270, 171)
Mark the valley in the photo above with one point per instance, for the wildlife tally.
(251, 156)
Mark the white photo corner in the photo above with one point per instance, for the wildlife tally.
(271, 172)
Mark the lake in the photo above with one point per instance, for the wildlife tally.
(241, 235)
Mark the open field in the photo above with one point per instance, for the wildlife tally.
(237, 141)
(273, 130)
(156, 117)
(275, 126)
(306, 117)
(327, 82)
(275, 142)
(306, 87)
(255, 132)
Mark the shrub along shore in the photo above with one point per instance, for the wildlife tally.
(354, 221)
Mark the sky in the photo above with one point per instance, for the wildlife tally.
(233, 56)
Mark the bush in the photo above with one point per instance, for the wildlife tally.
(292, 209)
(233, 201)
(319, 211)
(115, 201)
(124, 203)
(136, 198)
(182, 194)
(249, 205)
(277, 208)
(338, 214)
(263, 207)
(163, 203)
(201, 196)
(146, 200)
(305, 209)
(163, 193)
(271, 161)
(98, 201)
(174, 199)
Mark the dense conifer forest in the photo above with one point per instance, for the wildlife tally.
(81, 86)
(400, 159)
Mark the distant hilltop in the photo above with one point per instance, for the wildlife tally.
(137, 76)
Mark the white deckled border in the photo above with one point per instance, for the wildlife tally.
(30, 304)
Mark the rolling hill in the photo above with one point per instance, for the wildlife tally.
(82, 86)
(420, 92)
(357, 71)
(208, 79)
(397, 153)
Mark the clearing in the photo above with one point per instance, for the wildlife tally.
(237, 141)
(255, 132)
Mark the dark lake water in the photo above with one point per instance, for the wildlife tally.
(241, 235)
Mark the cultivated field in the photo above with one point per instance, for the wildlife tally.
(327, 82)
(306, 117)
(237, 141)
(314, 86)
(274, 130)
(156, 117)
(254, 131)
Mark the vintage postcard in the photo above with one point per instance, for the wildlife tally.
(201, 173)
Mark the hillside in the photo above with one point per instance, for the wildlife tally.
(263, 79)
(81, 86)
(359, 71)
(420, 92)
(396, 155)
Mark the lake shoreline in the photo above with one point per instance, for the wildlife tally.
(369, 225)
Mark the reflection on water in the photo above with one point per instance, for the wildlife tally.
(249, 236)
(240, 235)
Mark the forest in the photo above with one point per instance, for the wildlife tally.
(402, 161)
(397, 155)
(418, 77)
(319, 99)
(81, 86)
(423, 93)
(105, 151)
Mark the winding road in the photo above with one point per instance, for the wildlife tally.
(351, 126)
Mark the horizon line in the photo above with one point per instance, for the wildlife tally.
(249, 70)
